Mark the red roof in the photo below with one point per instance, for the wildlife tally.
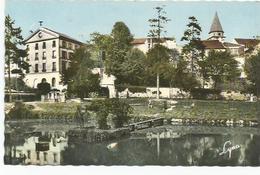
(227, 44)
(213, 44)
(139, 41)
(247, 42)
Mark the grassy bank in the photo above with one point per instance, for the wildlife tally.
(204, 109)
(201, 109)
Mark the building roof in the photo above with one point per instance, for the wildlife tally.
(247, 42)
(216, 26)
(139, 41)
(142, 40)
(228, 44)
(213, 44)
(61, 35)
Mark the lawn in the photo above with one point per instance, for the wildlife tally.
(204, 109)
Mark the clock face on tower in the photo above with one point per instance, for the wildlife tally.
(40, 34)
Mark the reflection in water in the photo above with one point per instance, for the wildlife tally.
(44, 149)
(165, 148)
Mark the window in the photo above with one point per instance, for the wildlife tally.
(63, 66)
(53, 82)
(44, 55)
(29, 154)
(64, 55)
(64, 44)
(36, 46)
(55, 157)
(38, 155)
(70, 46)
(36, 68)
(54, 54)
(53, 66)
(45, 156)
(43, 67)
(70, 55)
(44, 45)
(53, 43)
(36, 56)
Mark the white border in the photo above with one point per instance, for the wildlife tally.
(99, 170)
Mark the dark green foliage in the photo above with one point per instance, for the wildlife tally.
(252, 69)
(19, 85)
(119, 108)
(193, 50)
(221, 67)
(134, 67)
(201, 93)
(21, 111)
(43, 88)
(183, 79)
(13, 52)
(116, 53)
(79, 77)
(132, 89)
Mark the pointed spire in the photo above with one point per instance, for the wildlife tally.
(216, 26)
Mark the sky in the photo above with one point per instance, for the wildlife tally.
(80, 18)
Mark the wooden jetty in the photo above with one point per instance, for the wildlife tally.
(146, 124)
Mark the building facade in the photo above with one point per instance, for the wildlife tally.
(144, 44)
(49, 54)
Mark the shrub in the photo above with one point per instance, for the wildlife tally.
(21, 111)
(119, 108)
(200, 93)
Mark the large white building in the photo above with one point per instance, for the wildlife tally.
(49, 54)
(144, 44)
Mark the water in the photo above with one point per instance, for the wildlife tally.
(166, 147)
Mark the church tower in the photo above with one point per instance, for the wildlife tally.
(216, 31)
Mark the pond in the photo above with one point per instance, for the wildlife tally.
(183, 146)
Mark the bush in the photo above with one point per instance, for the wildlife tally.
(200, 93)
(133, 89)
(119, 108)
(21, 111)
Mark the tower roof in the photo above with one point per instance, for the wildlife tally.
(216, 26)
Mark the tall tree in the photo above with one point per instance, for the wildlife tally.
(14, 53)
(134, 67)
(193, 50)
(252, 69)
(157, 28)
(79, 76)
(117, 51)
(158, 66)
(221, 66)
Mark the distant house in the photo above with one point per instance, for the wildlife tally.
(49, 55)
(216, 41)
(144, 44)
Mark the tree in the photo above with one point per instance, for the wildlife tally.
(157, 28)
(99, 46)
(183, 79)
(117, 51)
(14, 54)
(158, 66)
(134, 67)
(252, 69)
(43, 88)
(221, 66)
(79, 76)
(193, 50)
